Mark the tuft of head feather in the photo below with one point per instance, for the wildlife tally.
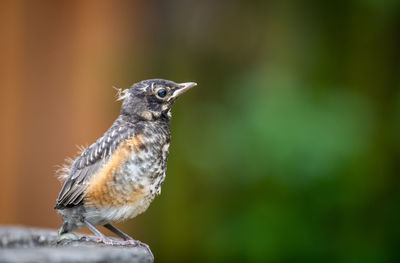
(121, 94)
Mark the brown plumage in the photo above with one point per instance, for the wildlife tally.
(102, 190)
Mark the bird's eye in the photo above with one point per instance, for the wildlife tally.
(161, 93)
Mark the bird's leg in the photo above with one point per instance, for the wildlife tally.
(127, 238)
(101, 237)
(118, 232)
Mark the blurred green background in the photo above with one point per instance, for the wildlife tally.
(287, 151)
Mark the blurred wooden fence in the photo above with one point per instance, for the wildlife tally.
(56, 71)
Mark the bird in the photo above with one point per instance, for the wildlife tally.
(118, 176)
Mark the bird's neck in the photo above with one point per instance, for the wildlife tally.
(164, 117)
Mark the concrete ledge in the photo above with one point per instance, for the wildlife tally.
(20, 244)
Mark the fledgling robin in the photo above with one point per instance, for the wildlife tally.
(118, 176)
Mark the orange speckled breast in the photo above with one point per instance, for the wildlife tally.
(104, 189)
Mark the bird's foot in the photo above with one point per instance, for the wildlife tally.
(116, 242)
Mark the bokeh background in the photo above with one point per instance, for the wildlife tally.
(287, 151)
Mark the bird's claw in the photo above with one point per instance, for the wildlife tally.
(143, 245)
(138, 243)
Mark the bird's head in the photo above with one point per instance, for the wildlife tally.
(151, 99)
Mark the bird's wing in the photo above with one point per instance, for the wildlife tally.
(91, 159)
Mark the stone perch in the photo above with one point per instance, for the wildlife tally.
(21, 244)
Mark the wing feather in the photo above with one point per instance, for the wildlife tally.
(91, 159)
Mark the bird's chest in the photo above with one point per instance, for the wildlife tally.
(145, 169)
(131, 178)
(133, 185)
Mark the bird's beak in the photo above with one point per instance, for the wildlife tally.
(182, 88)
